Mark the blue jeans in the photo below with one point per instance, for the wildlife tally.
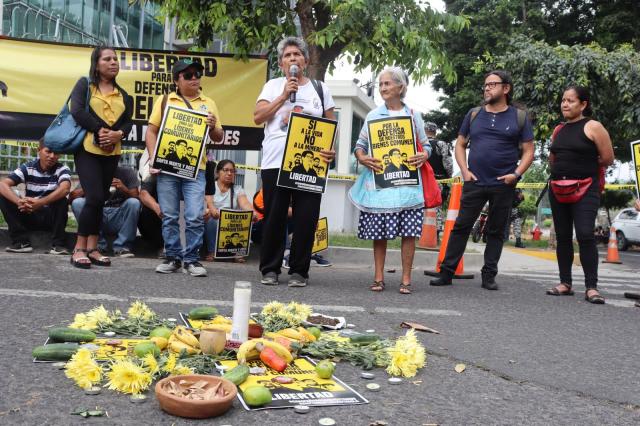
(211, 234)
(170, 190)
(120, 221)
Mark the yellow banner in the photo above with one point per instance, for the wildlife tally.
(321, 237)
(39, 77)
(635, 154)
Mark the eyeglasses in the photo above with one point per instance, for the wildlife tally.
(228, 170)
(190, 74)
(491, 85)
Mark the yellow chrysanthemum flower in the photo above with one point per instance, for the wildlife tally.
(170, 364)
(83, 369)
(128, 377)
(151, 363)
(100, 315)
(299, 310)
(180, 370)
(407, 356)
(79, 321)
(272, 308)
(140, 310)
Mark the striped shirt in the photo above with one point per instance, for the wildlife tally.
(40, 183)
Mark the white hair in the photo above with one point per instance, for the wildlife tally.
(293, 41)
(399, 76)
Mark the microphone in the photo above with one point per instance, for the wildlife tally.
(293, 72)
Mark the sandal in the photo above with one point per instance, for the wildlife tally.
(377, 286)
(561, 289)
(82, 262)
(100, 261)
(405, 288)
(596, 298)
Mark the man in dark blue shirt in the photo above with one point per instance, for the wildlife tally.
(494, 132)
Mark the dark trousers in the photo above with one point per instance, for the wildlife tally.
(96, 174)
(52, 217)
(306, 209)
(474, 197)
(582, 215)
(150, 226)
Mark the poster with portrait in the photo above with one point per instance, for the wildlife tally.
(392, 141)
(321, 237)
(635, 154)
(181, 142)
(303, 386)
(234, 233)
(302, 166)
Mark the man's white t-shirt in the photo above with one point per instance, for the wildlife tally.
(275, 130)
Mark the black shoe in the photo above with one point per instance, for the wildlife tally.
(20, 248)
(519, 243)
(489, 282)
(444, 279)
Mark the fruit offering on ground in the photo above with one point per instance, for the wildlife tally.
(146, 347)
(66, 334)
(271, 358)
(55, 351)
(203, 313)
(325, 369)
(238, 374)
(164, 332)
(315, 331)
(256, 396)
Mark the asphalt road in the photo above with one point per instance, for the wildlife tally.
(531, 358)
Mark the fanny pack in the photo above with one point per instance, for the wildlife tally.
(570, 190)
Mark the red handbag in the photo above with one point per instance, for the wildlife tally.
(430, 187)
(570, 190)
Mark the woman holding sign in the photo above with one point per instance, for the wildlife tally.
(280, 96)
(171, 189)
(107, 119)
(226, 195)
(395, 210)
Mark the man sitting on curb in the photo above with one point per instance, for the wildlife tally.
(120, 214)
(44, 205)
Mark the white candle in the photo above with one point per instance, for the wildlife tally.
(241, 308)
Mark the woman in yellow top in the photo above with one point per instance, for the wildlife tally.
(171, 189)
(107, 121)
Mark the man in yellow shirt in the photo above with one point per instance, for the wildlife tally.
(171, 189)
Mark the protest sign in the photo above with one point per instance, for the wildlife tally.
(392, 141)
(306, 387)
(635, 153)
(321, 237)
(36, 93)
(181, 142)
(234, 233)
(302, 166)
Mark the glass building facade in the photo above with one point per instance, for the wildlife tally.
(84, 22)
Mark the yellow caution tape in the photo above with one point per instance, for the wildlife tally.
(457, 179)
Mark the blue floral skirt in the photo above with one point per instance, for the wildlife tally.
(387, 226)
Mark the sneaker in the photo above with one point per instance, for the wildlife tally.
(270, 278)
(169, 266)
(123, 252)
(20, 248)
(58, 250)
(195, 269)
(285, 262)
(317, 260)
(297, 280)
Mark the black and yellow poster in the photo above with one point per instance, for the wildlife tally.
(392, 141)
(234, 233)
(321, 237)
(302, 166)
(305, 387)
(635, 154)
(181, 142)
(35, 91)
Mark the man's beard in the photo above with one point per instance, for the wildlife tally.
(492, 100)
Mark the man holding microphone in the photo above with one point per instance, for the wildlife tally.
(278, 98)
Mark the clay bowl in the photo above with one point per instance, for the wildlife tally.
(195, 409)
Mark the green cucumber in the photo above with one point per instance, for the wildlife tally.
(237, 374)
(55, 351)
(66, 334)
(364, 339)
(203, 313)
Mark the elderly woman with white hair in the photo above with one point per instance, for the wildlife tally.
(391, 212)
(279, 96)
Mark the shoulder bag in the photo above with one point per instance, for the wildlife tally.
(64, 135)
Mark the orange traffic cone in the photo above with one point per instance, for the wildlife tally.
(429, 236)
(452, 214)
(612, 248)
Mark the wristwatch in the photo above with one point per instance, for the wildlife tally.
(518, 175)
